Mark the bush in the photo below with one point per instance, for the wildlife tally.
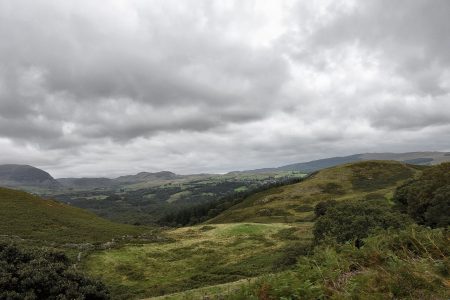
(43, 274)
(291, 254)
(347, 221)
(427, 199)
(321, 208)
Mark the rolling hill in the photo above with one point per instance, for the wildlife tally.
(31, 217)
(295, 203)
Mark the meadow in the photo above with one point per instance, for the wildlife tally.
(195, 257)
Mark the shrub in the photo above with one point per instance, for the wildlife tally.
(427, 199)
(43, 274)
(347, 221)
(321, 208)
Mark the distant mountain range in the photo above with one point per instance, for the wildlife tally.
(28, 176)
(415, 158)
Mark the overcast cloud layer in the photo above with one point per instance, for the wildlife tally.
(104, 88)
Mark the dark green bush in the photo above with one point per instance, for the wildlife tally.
(321, 208)
(427, 199)
(348, 221)
(43, 274)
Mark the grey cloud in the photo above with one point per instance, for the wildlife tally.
(203, 86)
(414, 37)
(84, 62)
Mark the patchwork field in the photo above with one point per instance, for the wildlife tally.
(196, 257)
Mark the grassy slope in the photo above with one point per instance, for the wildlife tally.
(32, 217)
(408, 264)
(295, 203)
(198, 256)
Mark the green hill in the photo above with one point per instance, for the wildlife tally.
(295, 203)
(31, 217)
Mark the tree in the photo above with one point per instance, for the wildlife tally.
(355, 220)
(427, 199)
(43, 274)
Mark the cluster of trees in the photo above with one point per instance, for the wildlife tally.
(43, 274)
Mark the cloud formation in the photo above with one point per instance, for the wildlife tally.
(92, 89)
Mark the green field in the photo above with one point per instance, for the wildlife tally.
(197, 256)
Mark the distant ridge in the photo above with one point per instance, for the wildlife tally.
(417, 158)
(146, 176)
(101, 182)
(29, 177)
(24, 175)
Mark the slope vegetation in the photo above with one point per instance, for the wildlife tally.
(295, 203)
(31, 217)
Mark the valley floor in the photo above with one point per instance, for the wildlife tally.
(196, 257)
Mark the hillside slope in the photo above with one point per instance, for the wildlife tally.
(295, 203)
(32, 217)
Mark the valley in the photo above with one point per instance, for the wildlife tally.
(244, 235)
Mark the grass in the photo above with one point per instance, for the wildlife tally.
(292, 203)
(31, 217)
(216, 291)
(198, 256)
(408, 264)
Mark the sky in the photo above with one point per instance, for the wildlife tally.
(106, 88)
